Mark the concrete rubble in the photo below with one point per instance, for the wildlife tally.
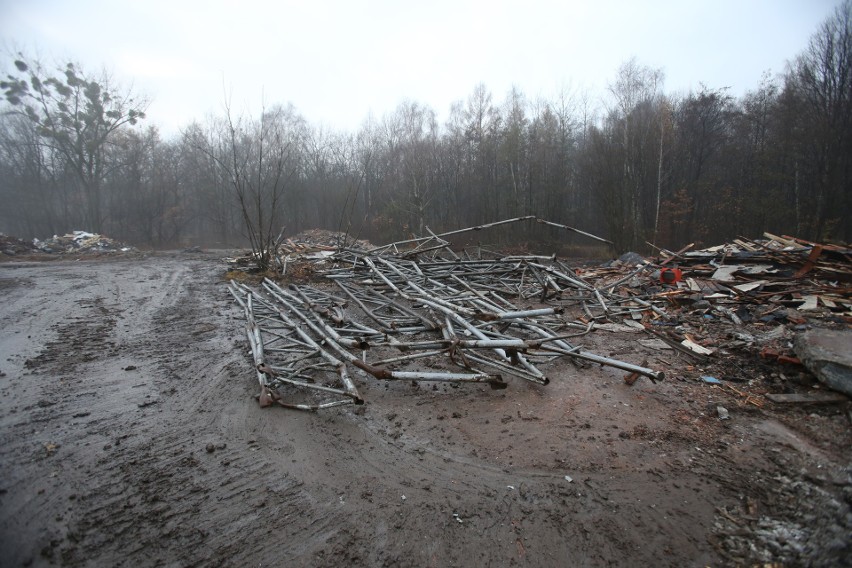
(827, 353)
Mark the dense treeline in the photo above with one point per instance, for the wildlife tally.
(75, 152)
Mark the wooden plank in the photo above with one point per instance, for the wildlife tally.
(783, 241)
(741, 243)
(811, 262)
(696, 348)
(814, 397)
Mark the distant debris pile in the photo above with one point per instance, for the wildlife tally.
(298, 253)
(79, 242)
(13, 246)
(323, 239)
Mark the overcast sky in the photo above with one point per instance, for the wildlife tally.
(339, 60)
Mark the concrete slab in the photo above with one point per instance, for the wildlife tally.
(827, 353)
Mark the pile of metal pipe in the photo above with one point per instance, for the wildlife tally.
(416, 310)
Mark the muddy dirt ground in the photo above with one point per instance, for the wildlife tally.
(130, 436)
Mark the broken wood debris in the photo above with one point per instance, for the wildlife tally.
(807, 398)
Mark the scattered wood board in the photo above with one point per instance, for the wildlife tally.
(812, 397)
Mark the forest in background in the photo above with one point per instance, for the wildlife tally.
(642, 166)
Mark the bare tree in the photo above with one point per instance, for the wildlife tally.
(34, 203)
(513, 154)
(411, 140)
(211, 194)
(822, 78)
(259, 165)
(636, 92)
(258, 157)
(77, 116)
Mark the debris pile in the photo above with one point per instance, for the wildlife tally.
(782, 272)
(322, 239)
(13, 246)
(758, 291)
(80, 242)
(417, 310)
(745, 301)
(297, 254)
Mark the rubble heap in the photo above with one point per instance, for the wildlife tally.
(777, 280)
(295, 255)
(13, 246)
(781, 271)
(81, 241)
(322, 239)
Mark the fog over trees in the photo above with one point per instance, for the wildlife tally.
(77, 152)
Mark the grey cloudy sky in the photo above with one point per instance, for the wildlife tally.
(337, 61)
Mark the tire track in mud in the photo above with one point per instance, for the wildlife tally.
(155, 484)
(51, 426)
(92, 397)
(163, 494)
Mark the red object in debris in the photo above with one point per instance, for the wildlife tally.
(671, 275)
(767, 353)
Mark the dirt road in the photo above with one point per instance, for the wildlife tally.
(129, 437)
